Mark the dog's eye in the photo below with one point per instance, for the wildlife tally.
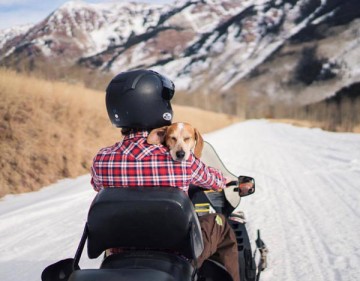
(173, 138)
(186, 139)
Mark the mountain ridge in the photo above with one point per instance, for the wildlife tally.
(203, 44)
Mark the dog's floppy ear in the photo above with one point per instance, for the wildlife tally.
(157, 136)
(199, 144)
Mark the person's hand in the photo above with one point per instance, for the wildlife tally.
(229, 182)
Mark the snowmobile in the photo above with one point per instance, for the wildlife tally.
(160, 231)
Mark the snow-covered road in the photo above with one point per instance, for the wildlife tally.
(306, 205)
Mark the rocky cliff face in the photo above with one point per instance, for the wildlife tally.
(284, 50)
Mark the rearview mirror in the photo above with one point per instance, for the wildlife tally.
(246, 185)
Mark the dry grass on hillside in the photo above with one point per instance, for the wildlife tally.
(47, 131)
(52, 130)
(205, 121)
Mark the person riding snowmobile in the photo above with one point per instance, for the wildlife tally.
(137, 102)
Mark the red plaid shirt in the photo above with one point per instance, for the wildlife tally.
(133, 162)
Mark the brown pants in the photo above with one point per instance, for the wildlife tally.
(219, 242)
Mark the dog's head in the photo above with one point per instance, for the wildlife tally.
(180, 138)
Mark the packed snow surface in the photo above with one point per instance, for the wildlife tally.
(306, 205)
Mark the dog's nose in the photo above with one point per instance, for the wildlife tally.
(180, 154)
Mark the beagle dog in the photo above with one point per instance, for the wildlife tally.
(180, 138)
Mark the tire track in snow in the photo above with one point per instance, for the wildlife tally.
(299, 204)
(318, 244)
(292, 222)
(40, 232)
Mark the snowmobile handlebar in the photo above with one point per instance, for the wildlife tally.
(232, 183)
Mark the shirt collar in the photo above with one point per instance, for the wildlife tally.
(136, 135)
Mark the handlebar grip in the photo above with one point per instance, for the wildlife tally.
(231, 183)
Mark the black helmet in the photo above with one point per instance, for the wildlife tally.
(140, 99)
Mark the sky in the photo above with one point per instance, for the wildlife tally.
(18, 12)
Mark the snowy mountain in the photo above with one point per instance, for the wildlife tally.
(281, 49)
(9, 33)
(306, 204)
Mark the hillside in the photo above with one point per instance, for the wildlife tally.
(51, 130)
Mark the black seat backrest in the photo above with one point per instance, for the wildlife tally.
(145, 218)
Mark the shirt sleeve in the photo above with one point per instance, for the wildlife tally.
(205, 176)
(95, 181)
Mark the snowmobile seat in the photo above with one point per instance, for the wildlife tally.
(174, 265)
(151, 218)
(119, 275)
